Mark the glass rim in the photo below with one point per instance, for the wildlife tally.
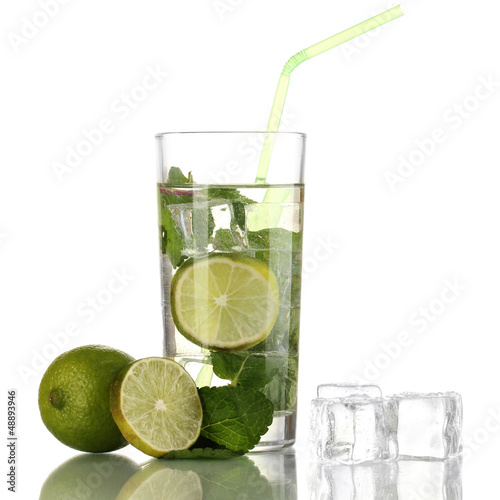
(228, 132)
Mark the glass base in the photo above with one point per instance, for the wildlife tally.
(281, 433)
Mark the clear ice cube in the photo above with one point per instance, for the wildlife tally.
(360, 482)
(204, 224)
(427, 425)
(333, 391)
(439, 480)
(351, 430)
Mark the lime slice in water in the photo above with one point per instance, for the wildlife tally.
(224, 302)
(155, 404)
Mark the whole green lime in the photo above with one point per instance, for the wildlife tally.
(74, 398)
(93, 477)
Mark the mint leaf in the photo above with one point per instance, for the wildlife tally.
(274, 375)
(238, 478)
(203, 442)
(235, 417)
(239, 212)
(294, 329)
(172, 241)
(175, 177)
(204, 448)
(245, 369)
(238, 202)
(282, 389)
(224, 240)
(226, 193)
(274, 238)
(193, 208)
(171, 236)
(194, 453)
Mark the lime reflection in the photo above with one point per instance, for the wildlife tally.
(90, 477)
(210, 479)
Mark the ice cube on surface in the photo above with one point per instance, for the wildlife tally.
(329, 481)
(439, 480)
(351, 430)
(428, 425)
(333, 391)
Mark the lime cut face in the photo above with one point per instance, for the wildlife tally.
(224, 302)
(155, 404)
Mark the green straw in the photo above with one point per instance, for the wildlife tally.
(300, 57)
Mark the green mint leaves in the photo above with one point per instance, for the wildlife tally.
(245, 369)
(282, 389)
(204, 448)
(238, 202)
(186, 219)
(274, 375)
(176, 177)
(171, 237)
(235, 417)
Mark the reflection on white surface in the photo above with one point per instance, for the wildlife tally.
(438, 480)
(280, 469)
(402, 480)
(344, 482)
(262, 476)
(90, 477)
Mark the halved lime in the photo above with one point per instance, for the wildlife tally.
(224, 302)
(155, 404)
(159, 481)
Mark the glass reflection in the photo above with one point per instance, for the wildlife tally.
(208, 479)
(280, 469)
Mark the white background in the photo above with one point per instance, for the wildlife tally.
(364, 107)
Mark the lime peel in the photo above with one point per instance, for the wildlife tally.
(73, 398)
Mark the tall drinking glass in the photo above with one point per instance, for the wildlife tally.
(231, 253)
